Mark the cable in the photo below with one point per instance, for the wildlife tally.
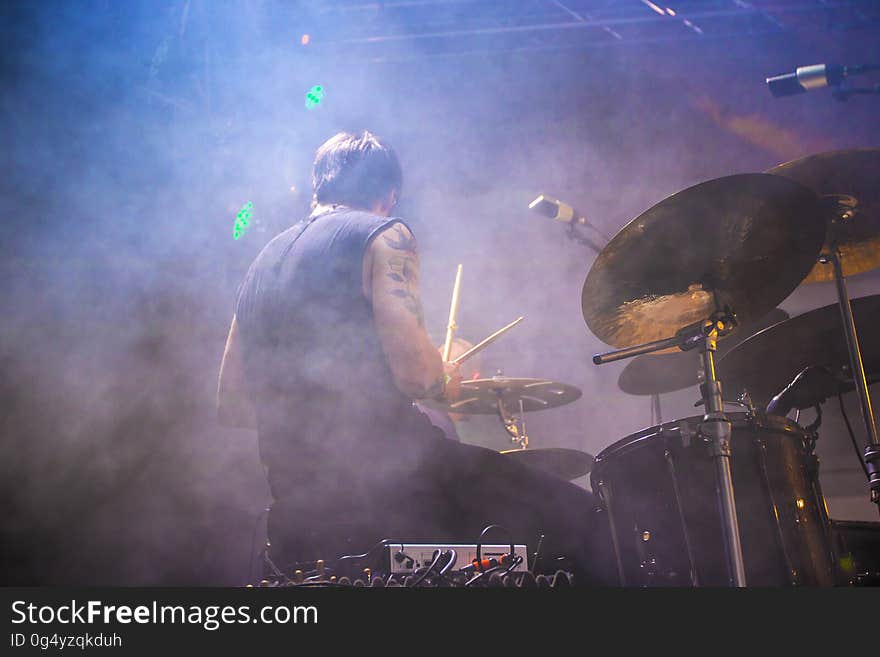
(452, 559)
(479, 559)
(366, 555)
(480, 575)
(517, 560)
(480, 543)
(384, 542)
(852, 435)
(314, 576)
(438, 554)
(506, 570)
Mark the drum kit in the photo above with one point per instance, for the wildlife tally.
(722, 499)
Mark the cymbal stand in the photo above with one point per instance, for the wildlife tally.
(872, 449)
(515, 426)
(656, 414)
(716, 426)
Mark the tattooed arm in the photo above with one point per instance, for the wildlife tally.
(391, 281)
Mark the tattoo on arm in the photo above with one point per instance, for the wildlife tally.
(402, 269)
(402, 240)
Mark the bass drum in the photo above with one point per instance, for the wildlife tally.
(658, 488)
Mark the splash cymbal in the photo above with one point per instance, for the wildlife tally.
(743, 241)
(848, 185)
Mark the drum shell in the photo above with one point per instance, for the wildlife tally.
(658, 487)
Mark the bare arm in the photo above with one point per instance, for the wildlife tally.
(234, 405)
(393, 263)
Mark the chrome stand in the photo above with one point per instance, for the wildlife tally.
(656, 413)
(716, 426)
(514, 425)
(857, 369)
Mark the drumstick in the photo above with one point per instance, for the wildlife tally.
(453, 310)
(485, 343)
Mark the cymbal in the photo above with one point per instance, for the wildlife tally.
(848, 181)
(657, 374)
(743, 241)
(566, 463)
(480, 396)
(768, 361)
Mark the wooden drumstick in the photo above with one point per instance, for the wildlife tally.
(453, 310)
(485, 343)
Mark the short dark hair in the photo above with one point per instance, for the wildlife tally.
(355, 170)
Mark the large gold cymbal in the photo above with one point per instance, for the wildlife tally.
(848, 184)
(743, 242)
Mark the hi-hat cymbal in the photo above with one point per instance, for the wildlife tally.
(743, 242)
(657, 374)
(566, 463)
(481, 396)
(768, 361)
(848, 183)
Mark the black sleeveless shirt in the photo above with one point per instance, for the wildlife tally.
(327, 406)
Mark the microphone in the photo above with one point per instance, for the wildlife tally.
(555, 209)
(808, 78)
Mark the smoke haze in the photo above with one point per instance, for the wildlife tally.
(132, 134)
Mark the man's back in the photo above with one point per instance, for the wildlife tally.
(324, 394)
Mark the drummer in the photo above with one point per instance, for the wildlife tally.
(349, 461)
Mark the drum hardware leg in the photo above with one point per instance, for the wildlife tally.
(715, 427)
(605, 496)
(515, 426)
(780, 537)
(695, 580)
(872, 450)
(656, 415)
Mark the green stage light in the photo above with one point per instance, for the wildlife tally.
(242, 220)
(314, 96)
